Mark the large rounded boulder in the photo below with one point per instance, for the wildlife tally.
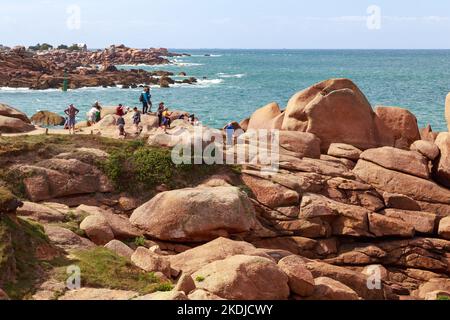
(244, 278)
(442, 166)
(396, 127)
(264, 117)
(13, 120)
(336, 111)
(47, 118)
(14, 125)
(195, 215)
(447, 111)
(10, 112)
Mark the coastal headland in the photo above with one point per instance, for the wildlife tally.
(39, 70)
(358, 208)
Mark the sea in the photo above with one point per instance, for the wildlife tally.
(234, 83)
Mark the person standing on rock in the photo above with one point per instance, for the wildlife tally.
(160, 113)
(137, 119)
(71, 112)
(166, 120)
(230, 134)
(145, 98)
(120, 111)
(98, 113)
(121, 126)
(93, 114)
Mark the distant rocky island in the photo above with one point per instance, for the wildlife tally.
(39, 69)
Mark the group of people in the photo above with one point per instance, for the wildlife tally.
(94, 115)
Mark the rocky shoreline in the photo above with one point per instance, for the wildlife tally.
(20, 68)
(358, 210)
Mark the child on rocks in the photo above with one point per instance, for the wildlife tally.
(137, 120)
(121, 126)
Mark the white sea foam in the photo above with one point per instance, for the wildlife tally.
(206, 56)
(23, 90)
(209, 81)
(142, 65)
(225, 75)
(201, 83)
(187, 64)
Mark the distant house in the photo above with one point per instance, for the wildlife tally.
(83, 46)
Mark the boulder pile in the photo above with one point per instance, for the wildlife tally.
(20, 68)
(359, 209)
(13, 120)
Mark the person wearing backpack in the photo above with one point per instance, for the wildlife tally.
(145, 98)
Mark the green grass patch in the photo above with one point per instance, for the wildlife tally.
(132, 165)
(6, 197)
(164, 287)
(443, 298)
(139, 241)
(14, 180)
(102, 268)
(146, 167)
(200, 279)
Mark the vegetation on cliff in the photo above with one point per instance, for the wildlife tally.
(22, 245)
(102, 268)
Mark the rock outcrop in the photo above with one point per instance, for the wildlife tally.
(426, 148)
(47, 118)
(336, 111)
(244, 278)
(44, 70)
(10, 112)
(396, 127)
(13, 121)
(348, 215)
(55, 178)
(411, 163)
(447, 111)
(195, 214)
(264, 118)
(97, 229)
(219, 249)
(441, 169)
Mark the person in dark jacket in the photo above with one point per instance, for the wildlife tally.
(146, 99)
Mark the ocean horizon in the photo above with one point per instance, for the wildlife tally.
(233, 83)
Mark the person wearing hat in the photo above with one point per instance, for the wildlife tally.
(71, 112)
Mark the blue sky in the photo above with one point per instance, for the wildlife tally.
(227, 23)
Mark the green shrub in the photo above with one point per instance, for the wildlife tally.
(153, 166)
(15, 182)
(164, 287)
(139, 241)
(200, 279)
(20, 268)
(144, 168)
(102, 268)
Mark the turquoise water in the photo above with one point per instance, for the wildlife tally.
(240, 81)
